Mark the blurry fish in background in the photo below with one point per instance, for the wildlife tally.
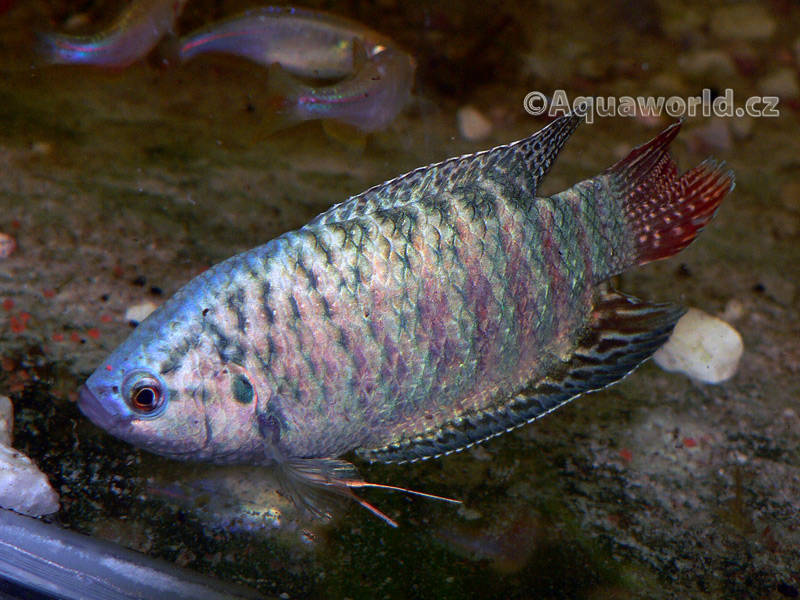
(306, 52)
(307, 43)
(367, 101)
(128, 39)
(353, 78)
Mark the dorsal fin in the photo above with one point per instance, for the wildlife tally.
(523, 164)
(624, 332)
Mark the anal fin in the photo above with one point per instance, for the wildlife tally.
(623, 333)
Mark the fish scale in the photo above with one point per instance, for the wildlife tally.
(403, 331)
(425, 315)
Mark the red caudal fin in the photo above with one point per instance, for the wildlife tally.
(664, 211)
(641, 210)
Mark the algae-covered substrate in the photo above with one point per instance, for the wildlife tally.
(120, 186)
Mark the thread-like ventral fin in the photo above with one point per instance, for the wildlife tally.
(623, 333)
(317, 486)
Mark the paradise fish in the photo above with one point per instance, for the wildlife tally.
(367, 101)
(129, 38)
(306, 43)
(416, 319)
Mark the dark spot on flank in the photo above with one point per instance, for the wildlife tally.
(242, 389)
(205, 312)
(139, 281)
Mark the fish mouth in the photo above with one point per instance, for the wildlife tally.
(93, 409)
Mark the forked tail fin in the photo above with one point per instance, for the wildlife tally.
(280, 102)
(666, 212)
(641, 210)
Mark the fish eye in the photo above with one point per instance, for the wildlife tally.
(144, 393)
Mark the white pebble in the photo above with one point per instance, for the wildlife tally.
(703, 347)
(470, 514)
(23, 487)
(138, 312)
(6, 420)
(781, 83)
(41, 148)
(7, 245)
(480, 453)
(472, 125)
(734, 310)
(713, 66)
(742, 22)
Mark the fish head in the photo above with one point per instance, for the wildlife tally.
(174, 395)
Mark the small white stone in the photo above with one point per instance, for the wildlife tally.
(480, 453)
(138, 312)
(734, 310)
(470, 514)
(23, 487)
(472, 125)
(742, 22)
(41, 148)
(781, 83)
(707, 66)
(6, 420)
(703, 347)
